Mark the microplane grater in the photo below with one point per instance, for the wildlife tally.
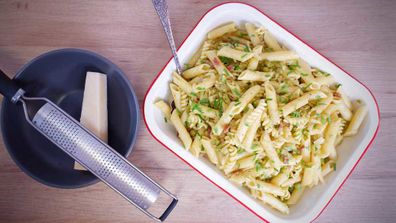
(93, 154)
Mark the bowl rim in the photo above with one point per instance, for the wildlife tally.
(309, 46)
(135, 105)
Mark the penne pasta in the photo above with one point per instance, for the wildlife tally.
(274, 202)
(272, 101)
(328, 148)
(210, 151)
(271, 41)
(218, 65)
(196, 146)
(278, 56)
(181, 130)
(261, 114)
(181, 83)
(251, 30)
(301, 101)
(235, 54)
(196, 71)
(249, 75)
(356, 121)
(164, 107)
(220, 31)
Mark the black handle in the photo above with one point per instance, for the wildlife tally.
(8, 87)
(168, 210)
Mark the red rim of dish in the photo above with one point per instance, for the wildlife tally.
(254, 7)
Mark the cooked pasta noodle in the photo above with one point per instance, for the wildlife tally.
(261, 114)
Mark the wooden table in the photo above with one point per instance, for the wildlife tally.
(358, 35)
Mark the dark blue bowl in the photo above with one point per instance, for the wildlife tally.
(60, 76)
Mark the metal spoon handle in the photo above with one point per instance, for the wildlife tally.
(162, 10)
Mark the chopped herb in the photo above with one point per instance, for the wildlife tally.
(201, 88)
(187, 66)
(328, 119)
(237, 102)
(338, 85)
(293, 67)
(240, 150)
(200, 116)
(252, 35)
(226, 72)
(243, 35)
(254, 147)
(166, 120)
(234, 43)
(199, 135)
(196, 107)
(321, 103)
(226, 60)
(236, 67)
(291, 189)
(295, 114)
(194, 94)
(304, 74)
(325, 160)
(236, 91)
(258, 166)
(306, 86)
(298, 187)
(204, 101)
(218, 104)
(245, 109)
(283, 100)
(322, 120)
(334, 166)
(246, 48)
(326, 74)
(244, 55)
(268, 99)
(358, 101)
(283, 88)
(267, 75)
(202, 148)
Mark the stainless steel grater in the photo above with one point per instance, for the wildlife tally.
(95, 155)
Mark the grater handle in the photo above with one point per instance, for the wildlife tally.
(168, 210)
(8, 87)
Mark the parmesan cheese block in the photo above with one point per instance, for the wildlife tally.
(94, 107)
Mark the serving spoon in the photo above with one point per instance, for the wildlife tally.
(161, 7)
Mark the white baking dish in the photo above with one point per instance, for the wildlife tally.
(350, 151)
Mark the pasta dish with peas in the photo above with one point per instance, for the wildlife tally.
(261, 114)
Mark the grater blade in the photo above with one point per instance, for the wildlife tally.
(96, 156)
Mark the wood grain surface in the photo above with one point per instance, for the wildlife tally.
(358, 35)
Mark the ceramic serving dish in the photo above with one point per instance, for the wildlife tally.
(314, 200)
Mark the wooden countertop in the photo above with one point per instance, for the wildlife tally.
(358, 35)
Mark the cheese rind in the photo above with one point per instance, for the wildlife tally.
(94, 107)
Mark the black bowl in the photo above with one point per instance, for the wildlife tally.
(60, 76)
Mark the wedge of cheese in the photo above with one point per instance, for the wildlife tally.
(94, 107)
